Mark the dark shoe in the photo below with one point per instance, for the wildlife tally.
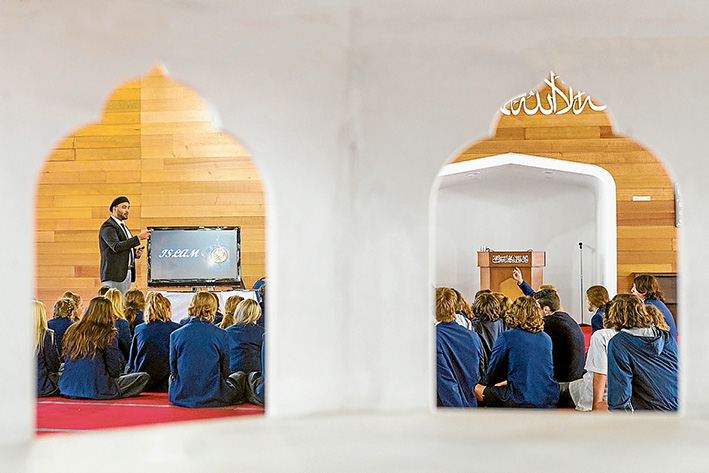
(254, 381)
(238, 380)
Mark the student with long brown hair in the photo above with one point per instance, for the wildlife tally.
(92, 369)
(124, 337)
(521, 371)
(199, 360)
(150, 350)
(647, 288)
(596, 298)
(46, 352)
(245, 338)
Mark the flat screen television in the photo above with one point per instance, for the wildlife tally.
(194, 256)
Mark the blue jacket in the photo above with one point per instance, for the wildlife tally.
(93, 377)
(150, 353)
(642, 372)
(47, 362)
(666, 314)
(59, 325)
(524, 359)
(199, 366)
(569, 346)
(526, 289)
(139, 319)
(457, 360)
(488, 331)
(597, 321)
(245, 347)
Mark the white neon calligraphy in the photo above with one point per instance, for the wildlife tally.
(497, 259)
(559, 102)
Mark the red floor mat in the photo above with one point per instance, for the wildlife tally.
(57, 414)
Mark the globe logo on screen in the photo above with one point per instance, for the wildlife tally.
(219, 254)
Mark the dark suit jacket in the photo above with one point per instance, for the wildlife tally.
(115, 251)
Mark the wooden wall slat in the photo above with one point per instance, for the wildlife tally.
(154, 144)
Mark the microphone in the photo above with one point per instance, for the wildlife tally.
(580, 245)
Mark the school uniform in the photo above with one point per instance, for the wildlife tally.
(99, 376)
(597, 321)
(457, 365)
(569, 346)
(199, 366)
(669, 319)
(524, 360)
(245, 347)
(124, 339)
(47, 366)
(150, 353)
(59, 326)
(137, 320)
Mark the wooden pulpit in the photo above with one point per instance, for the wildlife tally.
(496, 270)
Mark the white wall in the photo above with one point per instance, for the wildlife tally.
(517, 209)
(350, 109)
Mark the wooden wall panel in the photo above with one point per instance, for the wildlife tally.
(647, 237)
(155, 144)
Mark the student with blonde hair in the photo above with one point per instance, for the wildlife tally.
(64, 316)
(93, 361)
(115, 297)
(521, 371)
(229, 309)
(150, 350)
(245, 338)
(45, 351)
(199, 360)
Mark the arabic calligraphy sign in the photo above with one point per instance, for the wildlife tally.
(558, 101)
(514, 259)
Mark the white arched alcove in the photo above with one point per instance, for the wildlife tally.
(515, 202)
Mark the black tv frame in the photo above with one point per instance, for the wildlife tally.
(198, 282)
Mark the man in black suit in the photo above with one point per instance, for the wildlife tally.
(119, 249)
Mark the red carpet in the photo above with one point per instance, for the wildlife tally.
(59, 415)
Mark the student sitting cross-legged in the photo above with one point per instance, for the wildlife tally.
(521, 372)
(92, 369)
(46, 352)
(150, 350)
(199, 360)
(457, 355)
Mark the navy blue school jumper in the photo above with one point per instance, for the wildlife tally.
(488, 331)
(199, 366)
(642, 372)
(526, 289)
(569, 347)
(139, 319)
(245, 347)
(47, 366)
(150, 353)
(457, 365)
(93, 377)
(666, 314)
(59, 325)
(597, 321)
(524, 360)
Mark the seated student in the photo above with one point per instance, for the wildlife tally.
(93, 361)
(642, 359)
(199, 360)
(45, 350)
(122, 325)
(505, 304)
(259, 283)
(591, 391)
(463, 315)
(488, 324)
(229, 309)
(64, 316)
(647, 288)
(78, 302)
(262, 302)
(133, 306)
(457, 355)
(150, 350)
(256, 387)
(596, 297)
(521, 373)
(245, 337)
(569, 346)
